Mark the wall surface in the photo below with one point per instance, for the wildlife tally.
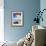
(43, 6)
(30, 7)
(1, 3)
(1, 21)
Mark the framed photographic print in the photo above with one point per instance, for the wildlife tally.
(17, 18)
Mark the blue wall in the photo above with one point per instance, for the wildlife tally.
(29, 7)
